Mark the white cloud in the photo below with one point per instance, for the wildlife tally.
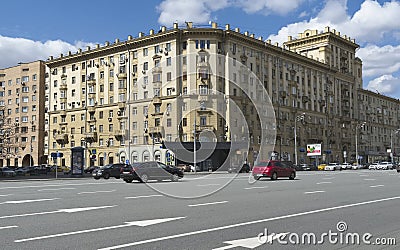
(266, 7)
(380, 60)
(198, 11)
(385, 84)
(15, 50)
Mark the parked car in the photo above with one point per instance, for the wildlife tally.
(184, 167)
(245, 168)
(374, 166)
(398, 167)
(305, 167)
(273, 170)
(25, 170)
(357, 166)
(385, 165)
(7, 172)
(321, 166)
(107, 171)
(90, 169)
(152, 170)
(345, 166)
(333, 166)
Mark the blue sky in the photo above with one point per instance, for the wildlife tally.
(32, 30)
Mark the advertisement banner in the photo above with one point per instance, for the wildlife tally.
(313, 149)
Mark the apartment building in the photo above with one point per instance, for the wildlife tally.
(22, 115)
(128, 100)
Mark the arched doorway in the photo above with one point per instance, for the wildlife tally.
(27, 161)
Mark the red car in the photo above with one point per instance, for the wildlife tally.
(273, 170)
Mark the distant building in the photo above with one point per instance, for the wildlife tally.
(22, 115)
(123, 100)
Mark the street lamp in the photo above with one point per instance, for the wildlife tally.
(358, 126)
(298, 118)
(391, 143)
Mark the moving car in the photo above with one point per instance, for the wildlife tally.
(333, 166)
(273, 170)
(235, 168)
(151, 170)
(321, 166)
(107, 171)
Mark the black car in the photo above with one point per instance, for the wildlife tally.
(152, 170)
(110, 170)
(235, 168)
(91, 169)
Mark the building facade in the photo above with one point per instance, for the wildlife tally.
(22, 115)
(126, 100)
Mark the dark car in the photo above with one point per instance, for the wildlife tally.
(91, 169)
(152, 170)
(25, 170)
(7, 172)
(107, 171)
(397, 166)
(235, 168)
(273, 170)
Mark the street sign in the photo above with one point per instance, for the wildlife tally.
(126, 161)
(56, 155)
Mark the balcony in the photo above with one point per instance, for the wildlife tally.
(122, 90)
(202, 65)
(155, 130)
(92, 95)
(122, 105)
(63, 99)
(63, 86)
(156, 70)
(91, 82)
(90, 137)
(119, 134)
(203, 98)
(62, 138)
(305, 99)
(122, 75)
(63, 112)
(157, 100)
(91, 109)
(200, 128)
(157, 84)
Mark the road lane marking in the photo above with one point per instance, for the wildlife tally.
(142, 223)
(54, 189)
(369, 179)
(66, 210)
(206, 185)
(4, 195)
(324, 182)
(207, 204)
(214, 229)
(328, 178)
(7, 227)
(251, 243)
(96, 192)
(144, 196)
(377, 186)
(27, 201)
(64, 184)
(314, 192)
(255, 187)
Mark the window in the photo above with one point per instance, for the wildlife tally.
(157, 122)
(145, 52)
(169, 91)
(157, 108)
(55, 83)
(203, 120)
(26, 99)
(110, 127)
(135, 54)
(101, 74)
(82, 117)
(73, 92)
(25, 119)
(34, 77)
(169, 76)
(145, 66)
(25, 109)
(134, 125)
(203, 89)
(72, 118)
(134, 111)
(111, 87)
(25, 79)
(156, 49)
(184, 122)
(169, 122)
(169, 61)
(156, 92)
(111, 73)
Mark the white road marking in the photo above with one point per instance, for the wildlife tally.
(324, 182)
(7, 227)
(95, 192)
(206, 185)
(27, 201)
(55, 189)
(255, 187)
(207, 204)
(4, 195)
(364, 175)
(328, 178)
(64, 184)
(66, 210)
(369, 179)
(137, 243)
(314, 192)
(377, 186)
(144, 196)
(142, 223)
(250, 243)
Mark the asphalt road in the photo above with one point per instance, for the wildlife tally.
(190, 214)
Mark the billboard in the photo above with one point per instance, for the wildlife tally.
(313, 149)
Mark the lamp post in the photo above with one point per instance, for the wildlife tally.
(298, 118)
(358, 126)
(391, 143)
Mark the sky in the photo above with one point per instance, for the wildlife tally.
(34, 30)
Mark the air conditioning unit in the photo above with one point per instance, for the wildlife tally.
(109, 119)
(166, 52)
(133, 74)
(160, 51)
(144, 72)
(23, 83)
(34, 91)
(119, 113)
(167, 112)
(78, 103)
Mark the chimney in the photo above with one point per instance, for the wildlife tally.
(289, 38)
(163, 29)
(151, 32)
(176, 26)
(227, 27)
(189, 25)
(141, 34)
(116, 40)
(106, 43)
(129, 37)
